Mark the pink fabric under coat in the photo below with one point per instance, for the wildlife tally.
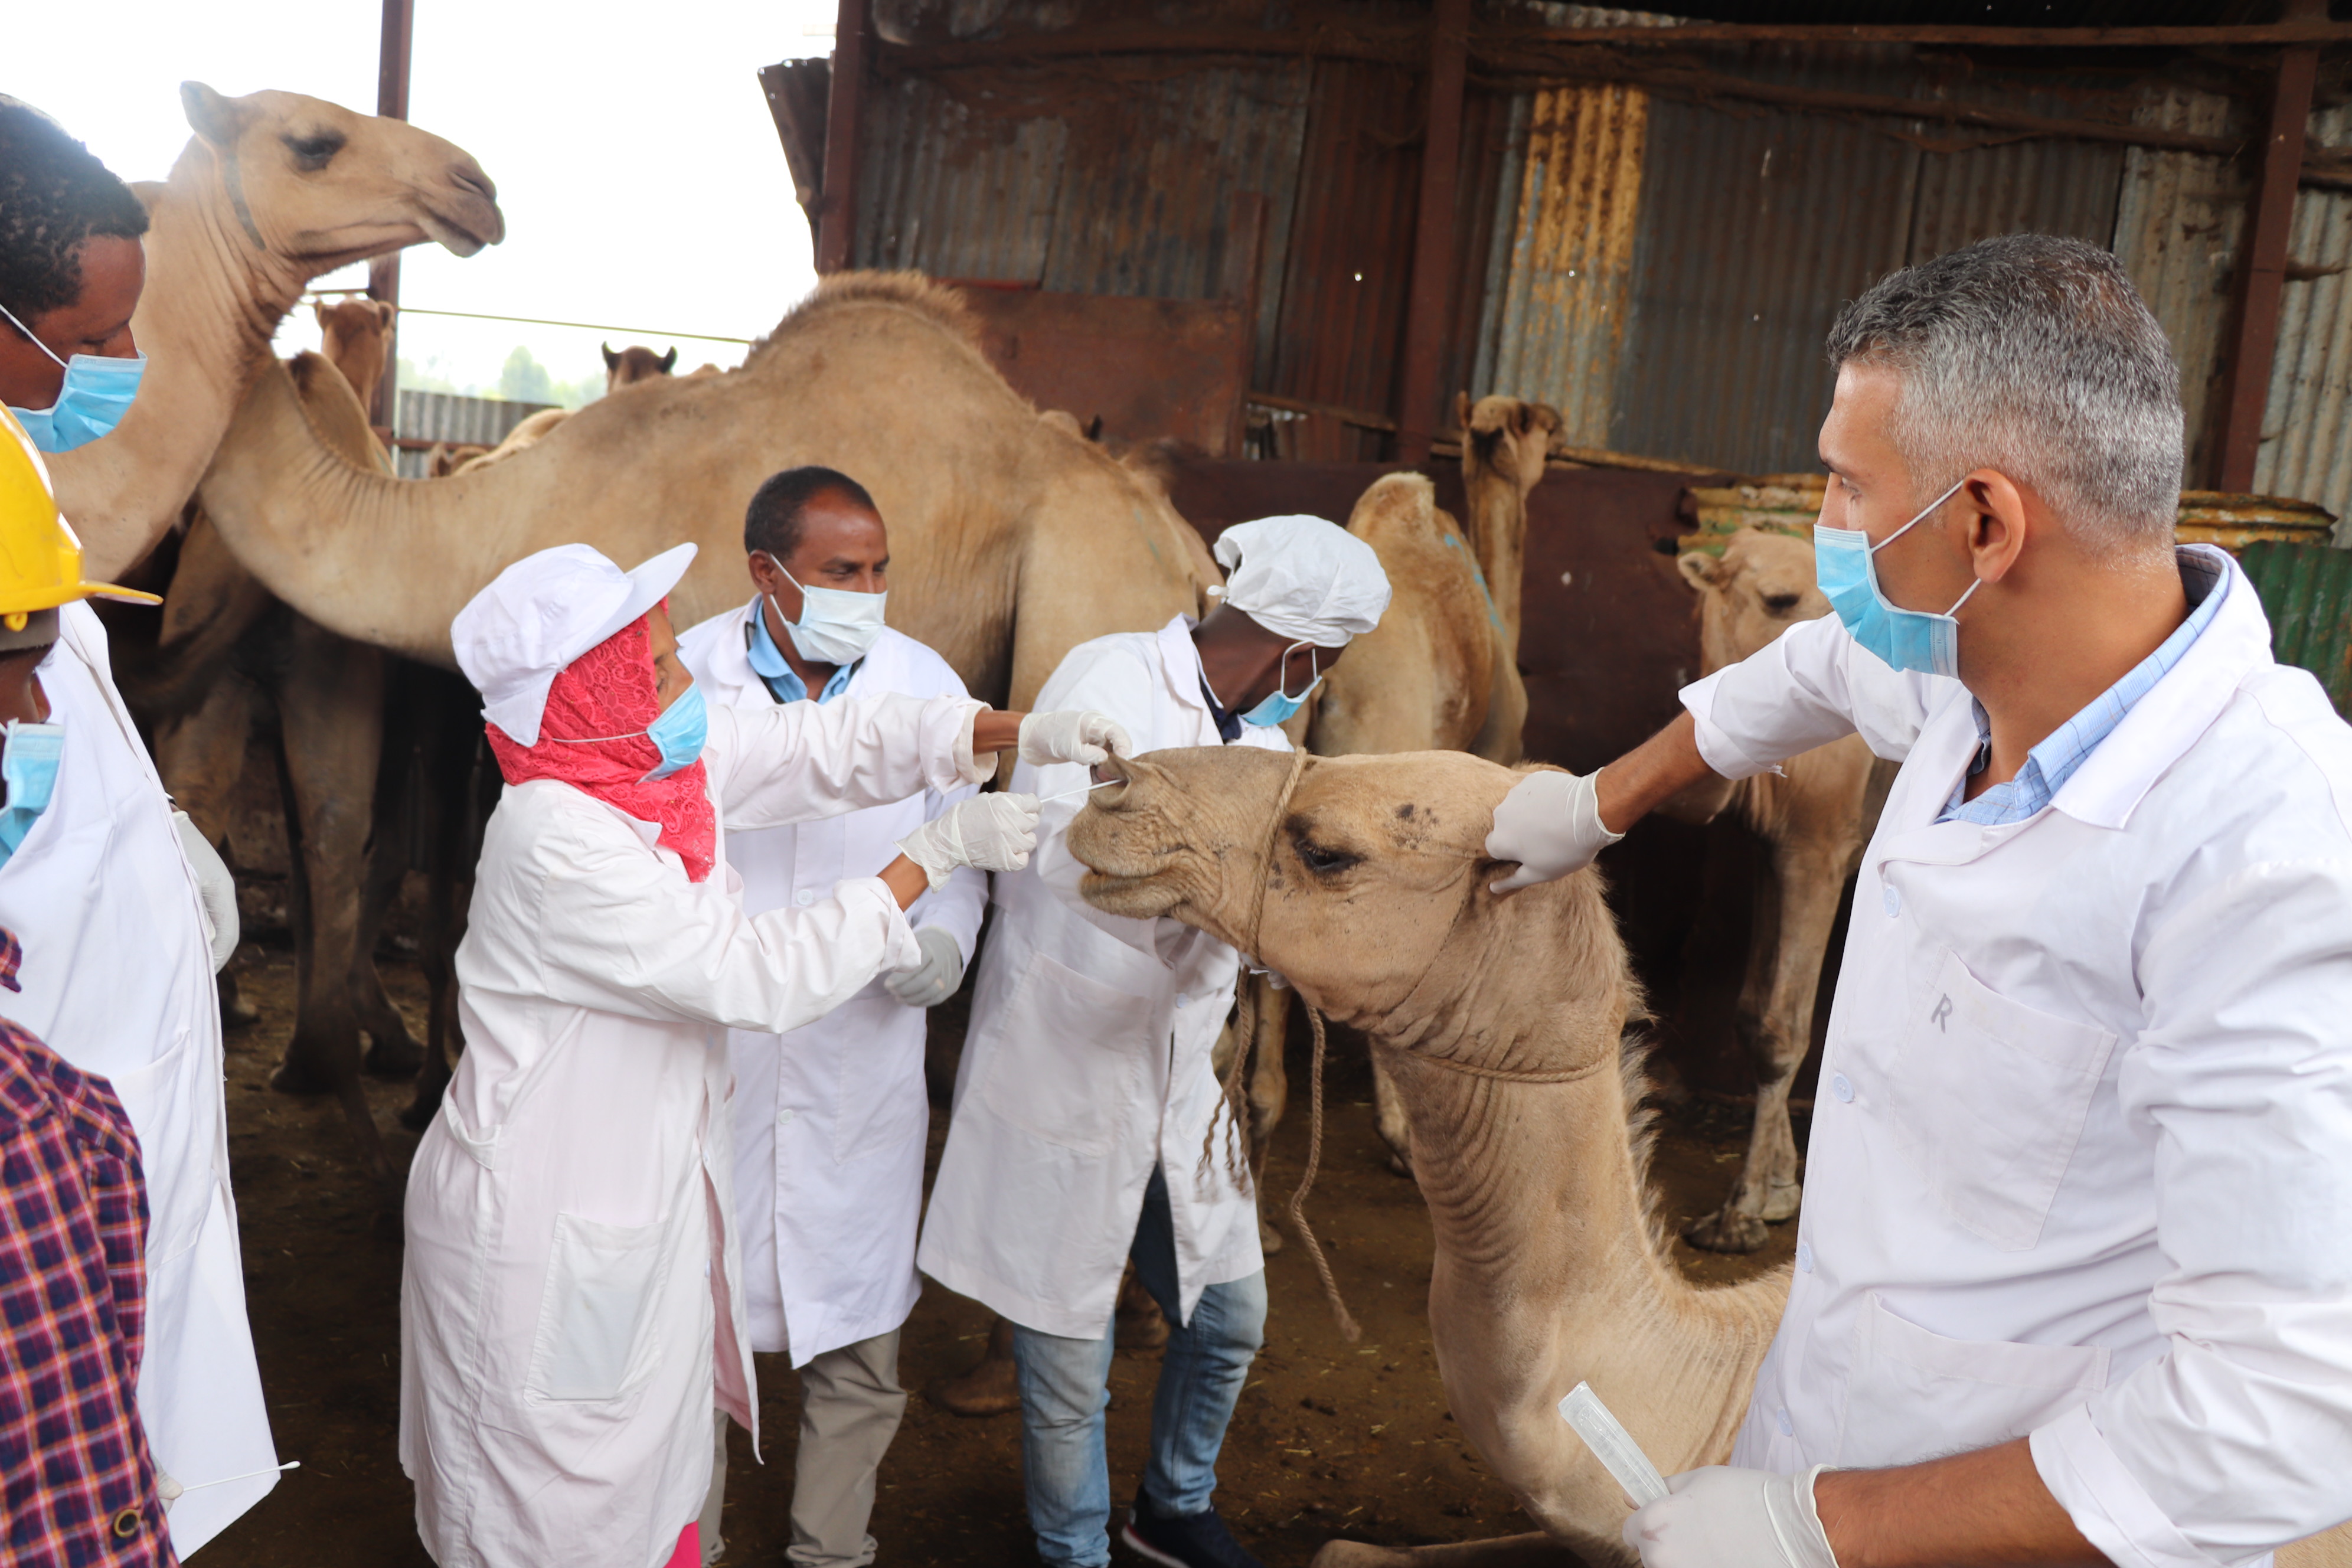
(689, 1548)
(610, 690)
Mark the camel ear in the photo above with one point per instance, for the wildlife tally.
(384, 311)
(1543, 416)
(219, 120)
(612, 360)
(1462, 412)
(1699, 568)
(319, 309)
(669, 360)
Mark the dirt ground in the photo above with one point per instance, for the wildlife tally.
(1329, 1439)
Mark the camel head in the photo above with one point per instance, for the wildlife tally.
(1376, 900)
(634, 364)
(1505, 436)
(352, 333)
(1763, 585)
(317, 186)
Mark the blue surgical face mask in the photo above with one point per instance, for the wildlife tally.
(1905, 639)
(680, 732)
(1280, 705)
(28, 776)
(836, 625)
(97, 393)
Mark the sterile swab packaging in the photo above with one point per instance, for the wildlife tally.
(1612, 1444)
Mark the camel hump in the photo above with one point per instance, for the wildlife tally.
(908, 291)
(1400, 512)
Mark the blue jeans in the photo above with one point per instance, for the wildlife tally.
(1064, 1385)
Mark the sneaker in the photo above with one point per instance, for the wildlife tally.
(1194, 1541)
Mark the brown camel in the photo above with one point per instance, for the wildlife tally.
(1366, 883)
(355, 335)
(1440, 673)
(628, 368)
(877, 374)
(273, 189)
(1815, 816)
(635, 364)
(1365, 880)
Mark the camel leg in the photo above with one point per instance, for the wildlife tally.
(1269, 1094)
(460, 787)
(1135, 1318)
(1535, 1549)
(990, 1388)
(392, 1050)
(329, 696)
(1804, 900)
(1389, 1106)
(201, 756)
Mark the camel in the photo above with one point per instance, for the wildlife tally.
(1365, 879)
(877, 374)
(1816, 816)
(273, 189)
(355, 335)
(634, 364)
(1440, 673)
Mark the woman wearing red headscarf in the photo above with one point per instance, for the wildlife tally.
(569, 1308)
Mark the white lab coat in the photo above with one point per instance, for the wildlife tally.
(117, 979)
(1087, 1061)
(571, 1308)
(2081, 1161)
(831, 1119)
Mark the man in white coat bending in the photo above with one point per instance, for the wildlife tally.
(2073, 1274)
(1084, 1098)
(831, 1119)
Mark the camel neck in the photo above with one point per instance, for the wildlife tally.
(1498, 520)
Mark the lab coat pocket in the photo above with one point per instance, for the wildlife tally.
(1914, 1394)
(1067, 1056)
(601, 1284)
(1995, 1094)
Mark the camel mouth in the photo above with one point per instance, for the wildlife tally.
(1137, 896)
(464, 236)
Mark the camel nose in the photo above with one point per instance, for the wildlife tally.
(1117, 778)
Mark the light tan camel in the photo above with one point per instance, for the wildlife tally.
(1815, 817)
(635, 364)
(876, 375)
(1440, 673)
(273, 189)
(355, 335)
(1366, 883)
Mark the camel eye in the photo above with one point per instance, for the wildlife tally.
(312, 154)
(1781, 604)
(1325, 862)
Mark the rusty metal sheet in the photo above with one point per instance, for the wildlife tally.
(1788, 503)
(2307, 427)
(2306, 591)
(455, 419)
(1146, 368)
(2178, 219)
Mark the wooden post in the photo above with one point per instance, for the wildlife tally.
(2261, 274)
(846, 96)
(1429, 305)
(384, 272)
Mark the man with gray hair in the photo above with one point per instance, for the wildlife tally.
(2075, 1272)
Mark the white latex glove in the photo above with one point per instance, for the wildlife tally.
(936, 979)
(1072, 736)
(216, 889)
(1550, 824)
(990, 832)
(1723, 1518)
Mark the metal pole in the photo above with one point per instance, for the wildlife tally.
(838, 198)
(1431, 303)
(384, 272)
(2262, 278)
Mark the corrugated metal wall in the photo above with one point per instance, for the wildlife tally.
(2307, 427)
(455, 419)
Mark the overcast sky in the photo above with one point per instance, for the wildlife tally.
(641, 176)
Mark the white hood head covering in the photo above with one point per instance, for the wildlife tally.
(1303, 578)
(544, 612)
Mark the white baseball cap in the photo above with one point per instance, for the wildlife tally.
(539, 614)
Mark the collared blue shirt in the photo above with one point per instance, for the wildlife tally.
(775, 672)
(2049, 765)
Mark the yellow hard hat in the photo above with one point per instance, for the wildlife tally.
(40, 559)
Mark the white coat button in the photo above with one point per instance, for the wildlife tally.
(783, 1119)
(804, 898)
(1805, 1256)
(1893, 900)
(1782, 1415)
(1842, 1087)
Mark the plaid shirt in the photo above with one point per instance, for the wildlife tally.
(2049, 765)
(77, 1484)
